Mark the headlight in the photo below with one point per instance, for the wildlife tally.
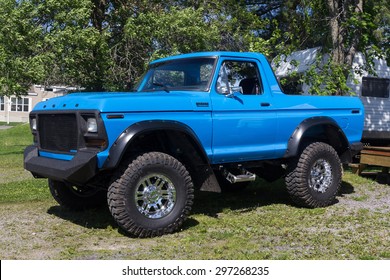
(92, 125)
(33, 124)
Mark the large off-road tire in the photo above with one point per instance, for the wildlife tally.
(314, 178)
(77, 198)
(151, 196)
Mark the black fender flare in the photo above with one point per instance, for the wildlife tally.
(295, 139)
(124, 140)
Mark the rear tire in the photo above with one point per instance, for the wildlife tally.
(314, 178)
(151, 196)
(76, 198)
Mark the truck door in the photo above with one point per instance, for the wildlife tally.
(244, 119)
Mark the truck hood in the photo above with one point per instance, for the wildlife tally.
(107, 102)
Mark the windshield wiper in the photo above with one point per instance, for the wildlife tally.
(162, 85)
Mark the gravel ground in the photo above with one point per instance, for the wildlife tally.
(42, 230)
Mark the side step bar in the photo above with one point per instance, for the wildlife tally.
(245, 176)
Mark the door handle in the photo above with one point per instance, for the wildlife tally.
(265, 104)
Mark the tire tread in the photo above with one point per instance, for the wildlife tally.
(296, 178)
(117, 190)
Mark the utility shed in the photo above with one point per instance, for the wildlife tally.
(374, 93)
(372, 90)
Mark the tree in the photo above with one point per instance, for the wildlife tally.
(49, 42)
(136, 31)
(74, 50)
(162, 28)
(340, 27)
(106, 44)
(19, 64)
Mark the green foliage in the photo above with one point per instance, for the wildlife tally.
(106, 45)
(173, 31)
(341, 29)
(19, 66)
(184, 28)
(72, 47)
(325, 77)
(48, 42)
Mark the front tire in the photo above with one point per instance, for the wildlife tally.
(151, 196)
(314, 178)
(76, 198)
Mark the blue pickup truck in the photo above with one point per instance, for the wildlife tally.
(202, 121)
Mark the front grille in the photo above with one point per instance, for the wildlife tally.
(58, 132)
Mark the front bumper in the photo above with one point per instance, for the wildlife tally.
(79, 170)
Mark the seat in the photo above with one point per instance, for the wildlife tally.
(249, 86)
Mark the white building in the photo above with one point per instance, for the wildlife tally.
(17, 109)
(372, 90)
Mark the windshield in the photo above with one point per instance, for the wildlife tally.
(183, 74)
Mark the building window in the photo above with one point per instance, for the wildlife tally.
(376, 87)
(20, 104)
(2, 103)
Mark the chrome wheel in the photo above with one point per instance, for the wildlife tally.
(320, 178)
(155, 196)
(314, 177)
(152, 196)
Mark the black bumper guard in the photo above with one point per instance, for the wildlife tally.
(77, 171)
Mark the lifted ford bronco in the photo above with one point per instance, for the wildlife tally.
(197, 121)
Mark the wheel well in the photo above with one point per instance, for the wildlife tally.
(319, 129)
(326, 133)
(176, 143)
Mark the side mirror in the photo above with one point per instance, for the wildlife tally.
(224, 90)
(229, 91)
(234, 91)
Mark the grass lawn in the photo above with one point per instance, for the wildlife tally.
(9, 124)
(257, 223)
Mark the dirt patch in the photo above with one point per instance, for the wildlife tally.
(4, 127)
(26, 233)
(373, 197)
(360, 220)
(37, 231)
